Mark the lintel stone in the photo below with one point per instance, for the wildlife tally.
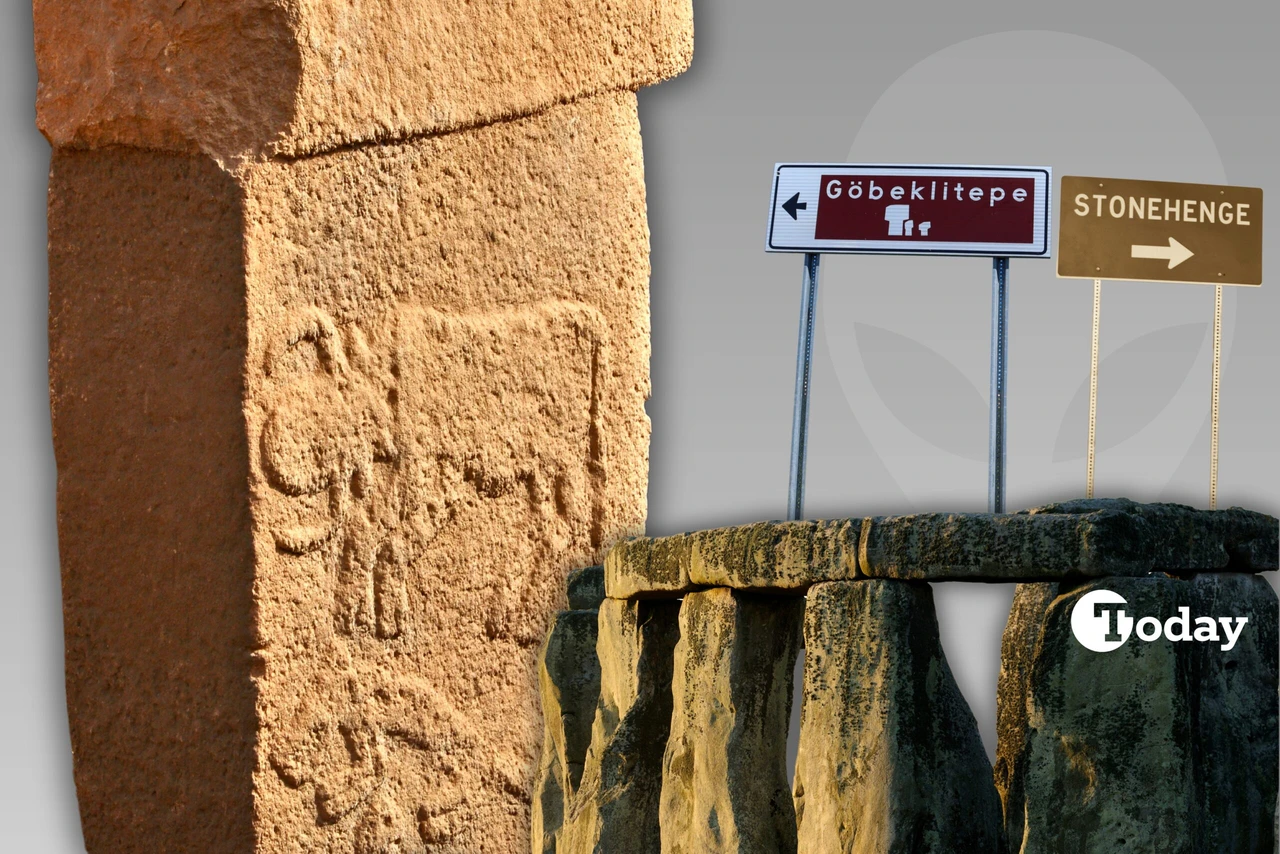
(1103, 537)
(243, 78)
(1074, 539)
(776, 556)
(649, 568)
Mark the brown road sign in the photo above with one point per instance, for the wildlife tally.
(1113, 228)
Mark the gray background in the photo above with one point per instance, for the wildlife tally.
(1144, 90)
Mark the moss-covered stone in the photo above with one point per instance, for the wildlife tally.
(1017, 652)
(649, 568)
(1171, 537)
(586, 588)
(782, 558)
(1074, 539)
(1095, 538)
(778, 557)
(1154, 743)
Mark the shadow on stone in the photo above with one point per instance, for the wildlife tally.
(890, 757)
(1168, 742)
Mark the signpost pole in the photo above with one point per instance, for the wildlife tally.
(804, 363)
(1093, 384)
(999, 370)
(1113, 228)
(1217, 373)
(995, 212)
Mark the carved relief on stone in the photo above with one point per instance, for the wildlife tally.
(327, 444)
(420, 465)
(506, 408)
(365, 756)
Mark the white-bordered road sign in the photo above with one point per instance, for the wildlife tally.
(901, 209)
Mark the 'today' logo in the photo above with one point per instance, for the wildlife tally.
(1100, 623)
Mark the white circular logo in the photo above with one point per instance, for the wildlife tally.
(1099, 621)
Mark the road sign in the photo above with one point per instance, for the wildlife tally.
(997, 211)
(1159, 231)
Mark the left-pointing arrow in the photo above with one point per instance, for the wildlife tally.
(794, 204)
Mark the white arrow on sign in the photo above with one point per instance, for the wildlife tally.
(1175, 253)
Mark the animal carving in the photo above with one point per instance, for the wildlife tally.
(421, 466)
(328, 443)
(448, 409)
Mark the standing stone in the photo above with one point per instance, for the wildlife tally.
(569, 686)
(1017, 652)
(615, 810)
(724, 776)
(349, 350)
(890, 760)
(586, 588)
(1161, 744)
(1236, 755)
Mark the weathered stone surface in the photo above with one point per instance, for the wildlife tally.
(154, 528)
(772, 557)
(1073, 539)
(616, 808)
(649, 568)
(240, 78)
(330, 435)
(890, 759)
(776, 556)
(1161, 743)
(586, 588)
(569, 688)
(1236, 730)
(1173, 537)
(1079, 538)
(1017, 653)
(467, 317)
(724, 776)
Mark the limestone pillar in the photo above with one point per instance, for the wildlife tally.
(890, 760)
(348, 361)
(724, 777)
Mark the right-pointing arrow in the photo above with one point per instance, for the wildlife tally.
(1175, 253)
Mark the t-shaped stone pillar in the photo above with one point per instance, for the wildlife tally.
(348, 360)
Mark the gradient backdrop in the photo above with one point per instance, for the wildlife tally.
(1160, 90)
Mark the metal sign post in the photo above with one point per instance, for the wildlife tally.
(1093, 384)
(804, 364)
(1160, 231)
(1213, 405)
(901, 209)
(999, 377)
